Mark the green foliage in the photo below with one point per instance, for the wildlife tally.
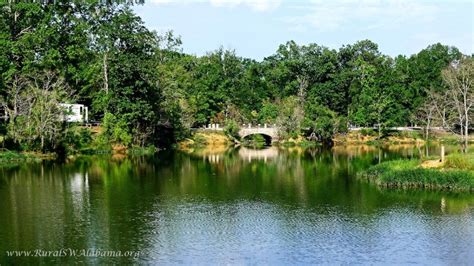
(460, 161)
(368, 132)
(115, 130)
(269, 113)
(290, 117)
(199, 140)
(407, 134)
(76, 139)
(255, 141)
(322, 121)
(11, 156)
(232, 129)
(150, 149)
(258, 138)
(36, 113)
(115, 65)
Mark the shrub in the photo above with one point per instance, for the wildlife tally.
(199, 140)
(85, 137)
(232, 129)
(258, 138)
(116, 130)
(268, 113)
(368, 132)
(257, 141)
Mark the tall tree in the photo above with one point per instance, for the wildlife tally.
(459, 77)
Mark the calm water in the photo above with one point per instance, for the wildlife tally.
(236, 206)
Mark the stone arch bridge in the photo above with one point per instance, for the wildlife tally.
(270, 132)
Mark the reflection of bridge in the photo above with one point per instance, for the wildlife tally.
(245, 154)
(263, 154)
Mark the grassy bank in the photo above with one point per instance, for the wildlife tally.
(12, 157)
(456, 173)
(370, 137)
(202, 139)
(8, 158)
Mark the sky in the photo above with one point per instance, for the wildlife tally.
(255, 28)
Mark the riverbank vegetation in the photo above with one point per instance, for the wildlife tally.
(455, 173)
(144, 90)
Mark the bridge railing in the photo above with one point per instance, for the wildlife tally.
(219, 127)
(258, 126)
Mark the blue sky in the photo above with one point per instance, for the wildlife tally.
(255, 28)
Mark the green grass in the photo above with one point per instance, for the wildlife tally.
(7, 156)
(308, 144)
(408, 174)
(460, 161)
(143, 150)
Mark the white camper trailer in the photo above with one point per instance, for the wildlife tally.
(75, 113)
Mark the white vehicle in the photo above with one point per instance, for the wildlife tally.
(75, 112)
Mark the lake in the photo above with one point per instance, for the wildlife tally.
(229, 206)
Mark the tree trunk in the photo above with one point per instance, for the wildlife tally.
(428, 128)
(444, 119)
(42, 143)
(466, 131)
(106, 77)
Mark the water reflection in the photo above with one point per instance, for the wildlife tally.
(258, 154)
(233, 206)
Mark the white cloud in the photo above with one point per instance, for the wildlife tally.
(332, 15)
(256, 5)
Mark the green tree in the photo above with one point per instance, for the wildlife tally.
(290, 117)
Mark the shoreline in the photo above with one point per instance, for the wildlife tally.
(217, 138)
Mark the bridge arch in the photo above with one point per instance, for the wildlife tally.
(270, 134)
(268, 138)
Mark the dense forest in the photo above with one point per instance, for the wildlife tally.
(144, 89)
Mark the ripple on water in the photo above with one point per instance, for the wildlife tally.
(199, 231)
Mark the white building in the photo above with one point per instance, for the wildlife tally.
(75, 112)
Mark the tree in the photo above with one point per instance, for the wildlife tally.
(459, 77)
(290, 117)
(34, 110)
(427, 112)
(321, 121)
(269, 113)
(370, 105)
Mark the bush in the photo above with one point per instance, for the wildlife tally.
(258, 138)
(256, 141)
(135, 150)
(199, 140)
(268, 113)
(75, 139)
(368, 132)
(85, 137)
(232, 129)
(116, 130)
(342, 125)
(7, 156)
